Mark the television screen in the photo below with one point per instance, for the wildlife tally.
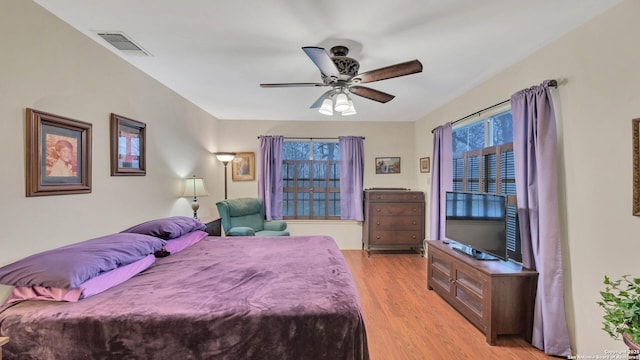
(478, 221)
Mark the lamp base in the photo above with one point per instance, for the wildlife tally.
(195, 206)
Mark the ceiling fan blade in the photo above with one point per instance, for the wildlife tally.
(388, 72)
(318, 102)
(371, 94)
(322, 60)
(291, 85)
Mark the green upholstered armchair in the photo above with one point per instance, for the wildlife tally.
(245, 217)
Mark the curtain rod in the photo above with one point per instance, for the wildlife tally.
(312, 138)
(552, 83)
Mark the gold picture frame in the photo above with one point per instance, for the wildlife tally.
(58, 155)
(128, 143)
(425, 164)
(636, 166)
(243, 167)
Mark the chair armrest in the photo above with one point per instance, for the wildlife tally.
(275, 225)
(241, 231)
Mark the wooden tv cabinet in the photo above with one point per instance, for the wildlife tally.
(495, 296)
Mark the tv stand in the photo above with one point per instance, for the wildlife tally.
(495, 296)
(478, 255)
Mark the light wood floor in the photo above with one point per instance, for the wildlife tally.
(405, 320)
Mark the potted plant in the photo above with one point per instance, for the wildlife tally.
(621, 304)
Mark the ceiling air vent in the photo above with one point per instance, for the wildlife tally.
(122, 42)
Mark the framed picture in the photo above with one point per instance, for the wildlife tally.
(387, 165)
(636, 167)
(58, 152)
(128, 142)
(243, 167)
(425, 164)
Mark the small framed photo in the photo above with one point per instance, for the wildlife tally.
(128, 142)
(243, 167)
(58, 151)
(425, 164)
(387, 165)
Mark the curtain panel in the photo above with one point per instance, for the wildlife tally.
(441, 179)
(351, 175)
(270, 175)
(536, 165)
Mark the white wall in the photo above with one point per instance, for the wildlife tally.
(597, 66)
(49, 66)
(382, 139)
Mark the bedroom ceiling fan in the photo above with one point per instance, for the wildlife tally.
(341, 74)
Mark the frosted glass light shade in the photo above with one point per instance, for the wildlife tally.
(351, 110)
(225, 157)
(194, 187)
(342, 102)
(327, 107)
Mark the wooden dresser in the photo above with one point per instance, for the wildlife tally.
(495, 296)
(393, 219)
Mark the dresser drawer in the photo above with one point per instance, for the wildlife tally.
(379, 222)
(387, 237)
(397, 209)
(395, 196)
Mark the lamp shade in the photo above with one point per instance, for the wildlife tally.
(327, 107)
(351, 110)
(342, 102)
(225, 156)
(194, 187)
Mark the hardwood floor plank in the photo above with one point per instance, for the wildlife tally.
(405, 320)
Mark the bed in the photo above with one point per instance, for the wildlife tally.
(220, 298)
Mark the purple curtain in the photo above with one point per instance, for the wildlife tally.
(535, 151)
(441, 179)
(270, 176)
(351, 173)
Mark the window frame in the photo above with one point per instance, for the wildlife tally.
(311, 190)
(515, 253)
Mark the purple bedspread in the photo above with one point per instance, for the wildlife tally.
(223, 298)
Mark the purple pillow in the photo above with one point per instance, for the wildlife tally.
(167, 228)
(178, 244)
(90, 287)
(69, 266)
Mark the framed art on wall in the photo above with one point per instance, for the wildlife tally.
(128, 142)
(243, 167)
(636, 166)
(58, 155)
(387, 165)
(425, 164)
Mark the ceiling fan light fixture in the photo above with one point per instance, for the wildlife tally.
(327, 107)
(351, 110)
(342, 102)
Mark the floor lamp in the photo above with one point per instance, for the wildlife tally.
(225, 157)
(195, 187)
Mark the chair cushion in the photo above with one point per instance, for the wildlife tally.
(253, 221)
(245, 206)
(272, 233)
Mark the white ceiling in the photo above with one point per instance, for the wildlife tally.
(216, 53)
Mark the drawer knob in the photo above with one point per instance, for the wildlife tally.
(378, 237)
(414, 209)
(378, 209)
(378, 222)
(413, 222)
(413, 237)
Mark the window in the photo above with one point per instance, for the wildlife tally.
(483, 161)
(311, 180)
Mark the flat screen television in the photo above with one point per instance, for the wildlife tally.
(477, 222)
